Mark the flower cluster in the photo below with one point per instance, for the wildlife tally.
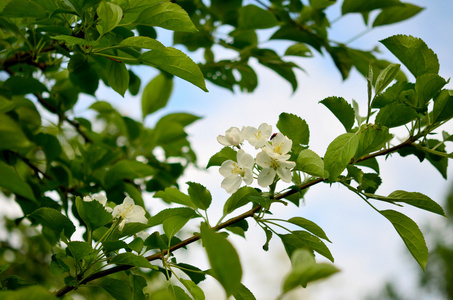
(271, 161)
(127, 212)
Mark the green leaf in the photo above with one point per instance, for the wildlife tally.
(254, 17)
(239, 199)
(142, 42)
(132, 260)
(35, 292)
(294, 128)
(174, 195)
(109, 15)
(395, 114)
(310, 163)
(386, 76)
(156, 94)
(195, 274)
(351, 6)
(304, 239)
(22, 9)
(310, 226)
(71, 40)
(227, 153)
(418, 200)
(427, 86)
(305, 270)
(53, 219)
(411, 235)
(199, 195)
(171, 212)
(24, 85)
(93, 213)
(138, 283)
(342, 59)
(443, 106)
(12, 182)
(166, 15)
(178, 293)
(78, 249)
(413, 53)
(117, 76)
(292, 33)
(127, 169)
(339, 154)
(395, 14)
(176, 63)
(299, 49)
(243, 293)
(110, 246)
(196, 292)
(223, 258)
(118, 289)
(11, 134)
(173, 224)
(341, 109)
(372, 138)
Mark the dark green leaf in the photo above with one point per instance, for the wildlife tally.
(443, 106)
(411, 235)
(71, 40)
(418, 200)
(195, 274)
(117, 76)
(304, 239)
(173, 224)
(395, 114)
(243, 293)
(372, 138)
(413, 53)
(292, 33)
(78, 249)
(170, 212)
(341, 109)
(174, 195)
(342, 59)
(166, 15)
(11, 181)
(156, 94)
(299, 49)
(138, 283)
(427, 86)
(227, 153)
(339, 154)
(386, 77)
(93, 213)
(239, 199)
(22, 9)
(254, 17)
(351, 6)
(294, 128)
(199, 195)
(395, 14)
(131, 259)
(310, 226)
(118, 289)
(224, 260)
(34, 292)
(53, 219)
(24, 85)
(128, 169)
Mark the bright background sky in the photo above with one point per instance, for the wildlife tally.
(365, 246)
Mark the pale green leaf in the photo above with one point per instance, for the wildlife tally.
(418, 200)
(166, 15)
(131, 259)
(339, 154)
(254, 17)
(196, 292)
(227, 153)
(386, 77)
(310, 226)
(310, 163)
(142, 42)
(110, 15)
(174, 195)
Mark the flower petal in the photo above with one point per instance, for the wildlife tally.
(266, 177)
(231, 183)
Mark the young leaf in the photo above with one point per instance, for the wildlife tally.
(254, 17)
(78, 249)
(224, 260)
(173, 224)
(395, 114)
(196, 292)
(339, 154)
(411, 235)
(304, 239)
(443, 106)
(184, 212)
(372, 138)
(299, 49)
(118, 289)
(217, 159)
(110, 15)
(132, 259)
(93, 213)
(413, 53)
(418, 200)
(156, 94)
(53, 219)
(173, 195)
(395, 14)
(12, 182)
(310, 226)
(117, 76)
(142, 42)
(427, 86)
(166, 15)
(310, 163)
(199, 195)
(138, 283)
(239, 199)
(175, 62)
(386, 77)
(341, 109)
(295, 128)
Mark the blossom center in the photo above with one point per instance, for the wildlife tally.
(238, 170)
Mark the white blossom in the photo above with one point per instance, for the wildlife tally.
(100, 198)
(257, 137)
(142, 234)
(232, 137)
(279, 145)
(236, 172)
(273, 165)
(129, 212)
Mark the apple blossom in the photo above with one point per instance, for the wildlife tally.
(129, 212)
(236, 172)
(279, 145)
(273, 165)
(232, 137)
(257, 137)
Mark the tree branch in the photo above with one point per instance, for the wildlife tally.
(61, 292)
